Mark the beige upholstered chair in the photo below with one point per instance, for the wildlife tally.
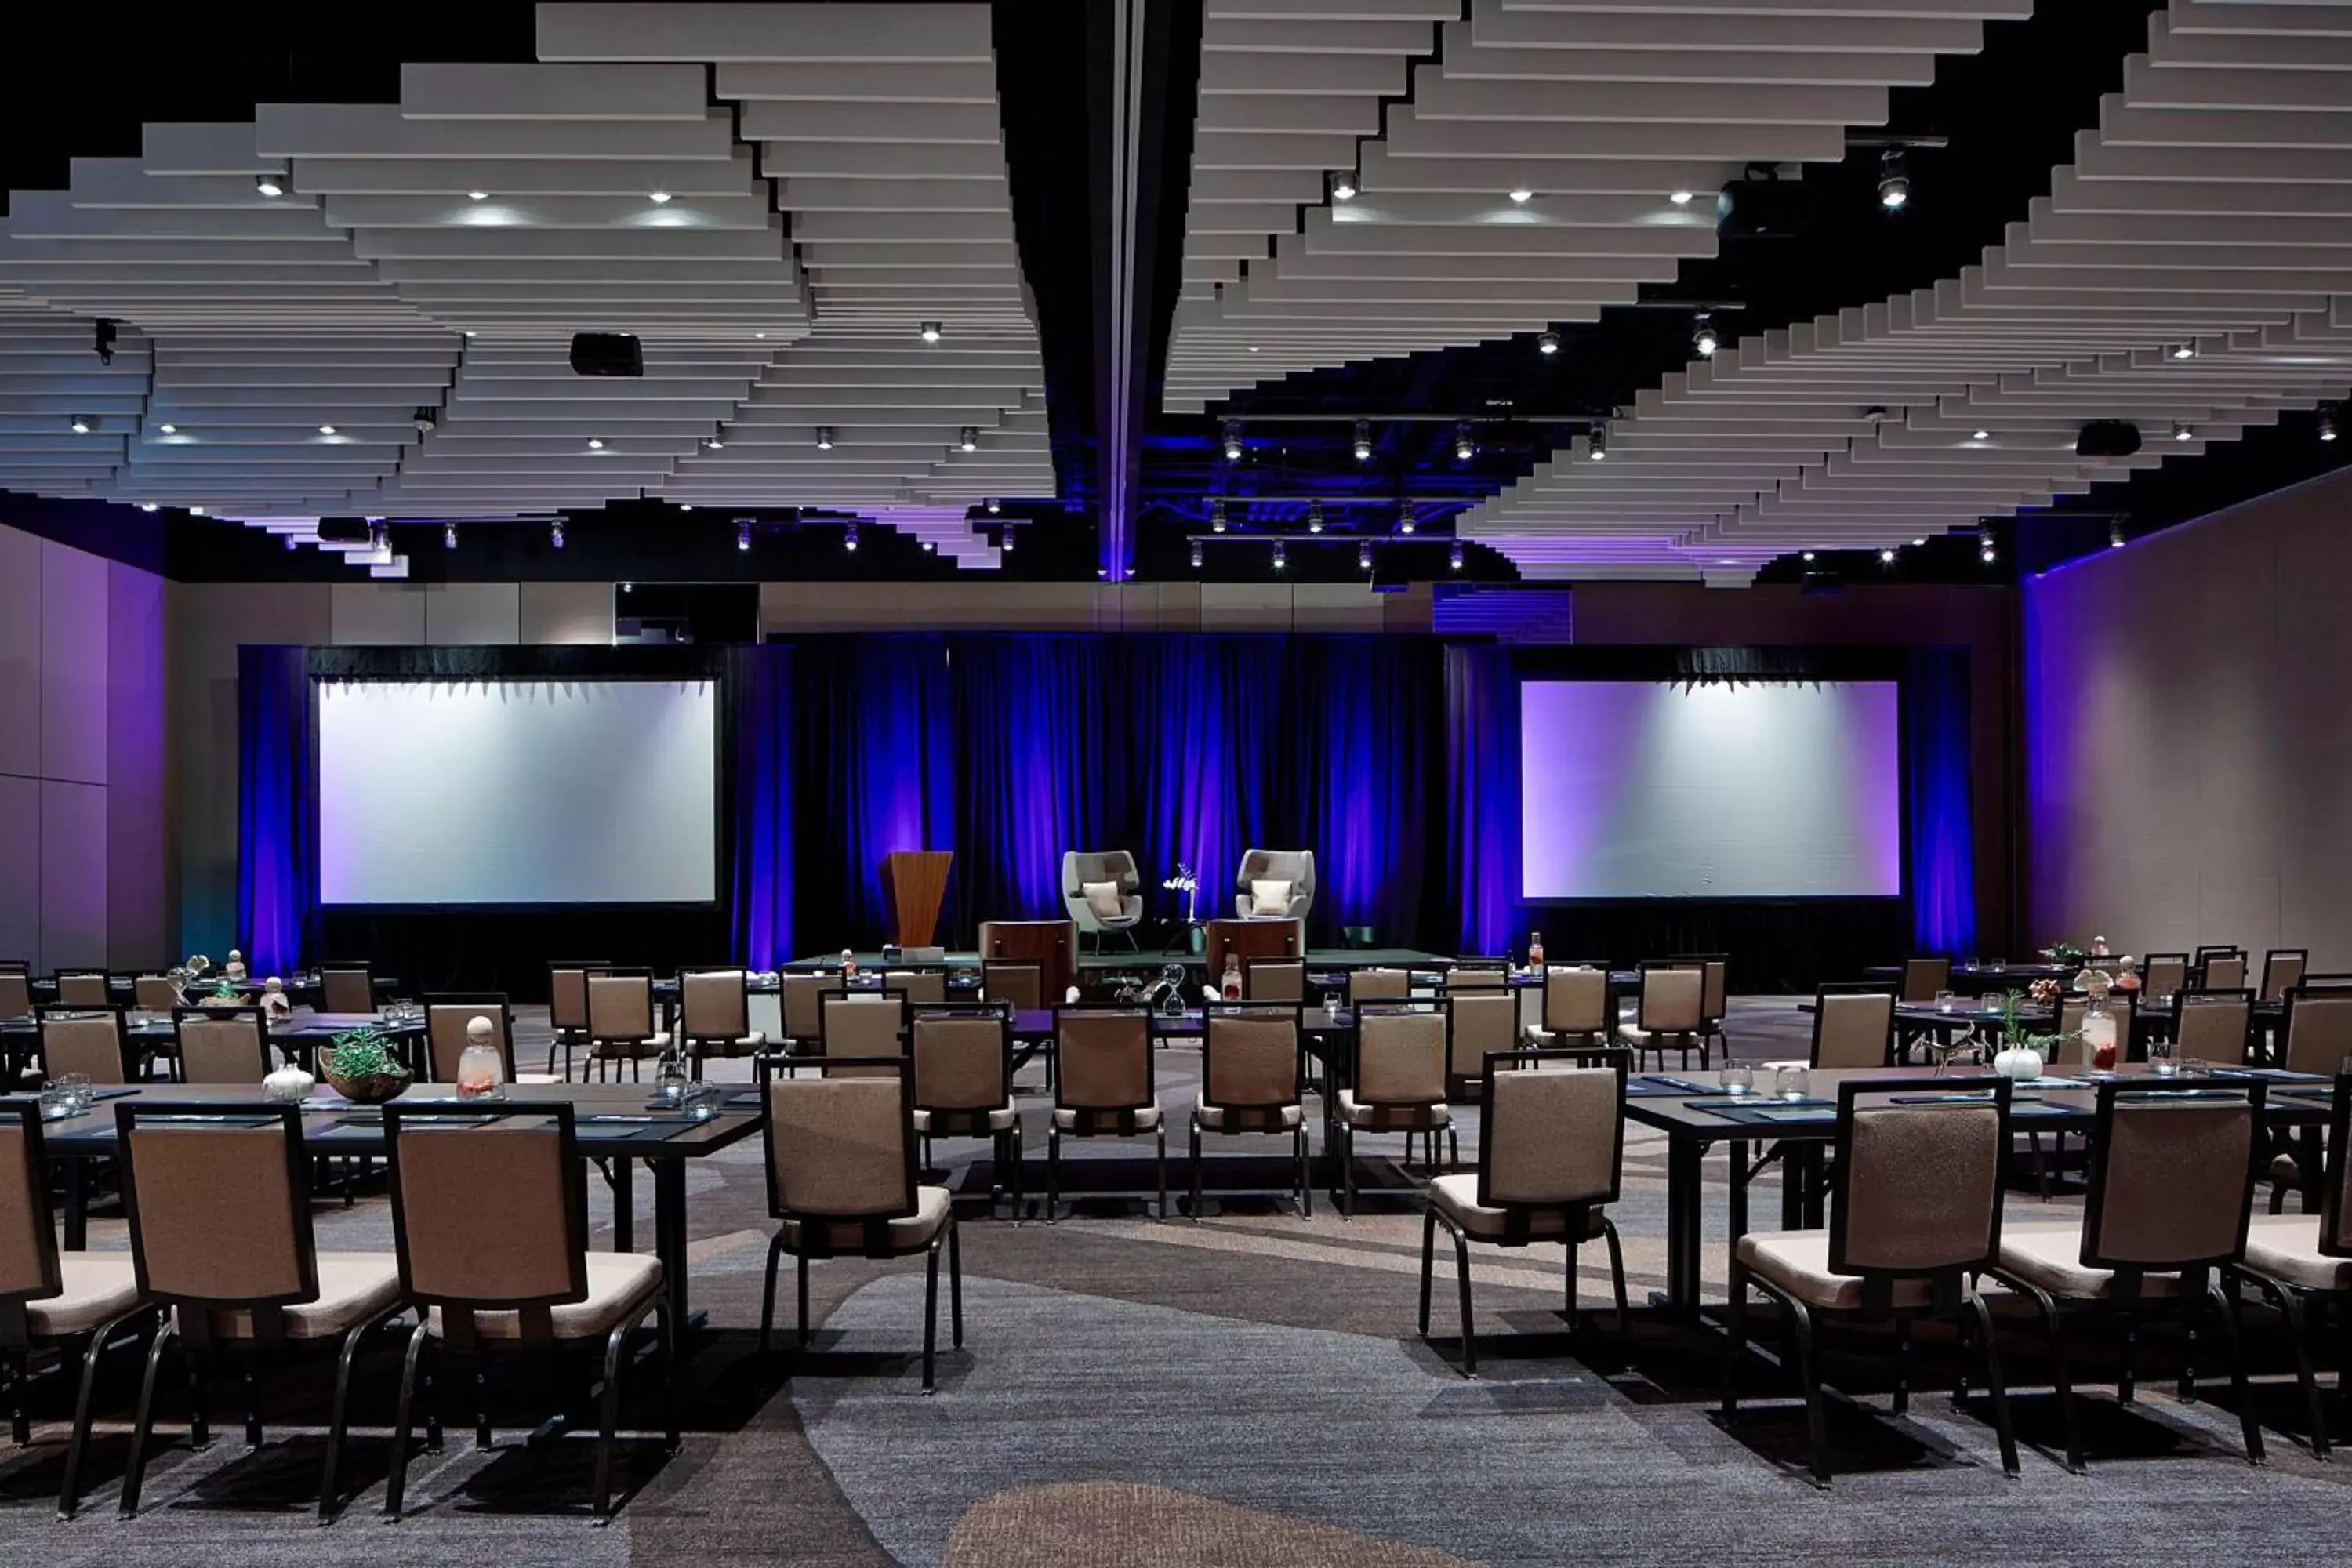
(2304, 1261)
(1485, 975)
(2164, 974)
(2168, 1206)
(1853, 1029)
(447, 1016)
(1715, 992)
(862, 1024)
(154, 994)
(84, 988)
(221, 1045)
(620, 1020)
(2221, 972)
(1102, 1087)
(1923, 977)
(220, 1233)
(962, 1059)
(346, 988)
(921, 987)
(2283, 969)
(51, 1299)
(1549, 1154)
(1020, 987)
(1379, 985)
(1402, 1052)
(1668, 1014)
(842, 1182)
(16, 993)
(87, 1040)
(2212, 1026)
(800, 1002)
(567, 1005)
(515, 1275)
(1103, 891)
(1914, 1216)
(1575, 1008)
(1274, 979)
(1294, 867)
(1252, 1073)
(1483, 1022)
(2316, 1034)
(714, 1015)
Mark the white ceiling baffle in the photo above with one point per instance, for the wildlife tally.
(1527, 178)
(946, 530)
(2189, 273)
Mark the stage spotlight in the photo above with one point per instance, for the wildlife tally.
(1546, 343)
(1894, 183)
(1315, 516)
(2328, 418)
(824, 438)
(1465, 448)
(1217, 516)
(1364, 555)
(1596, 443)
(659, 198)
(1520, 195)
(1281, 558)
(742, 533)
(849, 539)
(269, 184)
(2184, 351)
(1456, 561)
(102, 340)
(1702, 341)
(1363, 441)
(1680, 198)
(1196, 555)
(83, 425)
(993, 505)
(969, 441)
(448, 536)
(1232, 433)
(1343, 187)
(931, 332)
(555, 535)
(2114, 536)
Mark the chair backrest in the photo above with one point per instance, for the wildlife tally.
(1274, 979)
(1380, 985)
(799, 997)
(714, 1003)
(2318, 1033)
(221, 1045)
(1923, 977)
(1402, 1052)
(923, 987)
(1102, 1059)
(2222, 971)
(567, 991)
(1852, 1028)
(1083, 866)
(620, 1004)
(346, 988)
(16, 993)
(1295, 867)
(2172, 1178)
(152, 994)
(2217, 950)
(843, 1149)
(1483, 1022)
(2212, 1025)
(29, 1269)
(1671, 998)
(2335, 1211)
(448, 1015)
(1576, 1001)
(83, 988)
(1249, 1057)
(1915, 1189)
(864, 1025)
(87, 1040)
(1552, 1137)
(962, 1058)
(219, 1211)
(2164, 974)
(1714, 994)
(1020, 987)
(488, 1214)
(1477, 977)
(2283, 969)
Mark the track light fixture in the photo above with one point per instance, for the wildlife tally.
(555, 535)
(1597, 442)
(1546, 343)
(1404, 517)
(2115, 535)
(448, 536)
(83, 425)
(1702, 340)
(969, 441)
(1456, 560)
(994, 506)
(1281, 558)
(2330, 416)
(1343, 187)
(1315, 516)
(1196, 555)
(1364, 555)
(269, 184)
(659, 198)
(1985, 552)
(2183, 430)
(824, 438)
(1465, 448)
(1004, 540)
(1894, 181)
(742, 533)
(931, 332)
(1520, 195)
(1232, 436)
(849, 539)
(102, 340)
(1217, 516)
(1363, 441)
(2183, 351)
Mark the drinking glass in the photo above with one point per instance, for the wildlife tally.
(1736, 1079)
(2160, 1059)
(1946, 1000)
(1793, 1082)
(75, 1087)
(1332, 1006)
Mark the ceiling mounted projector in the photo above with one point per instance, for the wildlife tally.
(2107, 438)
(345, 530)
(607, 354)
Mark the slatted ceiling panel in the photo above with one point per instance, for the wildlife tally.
(1601, 111)
(2073, 319)
(946, 530)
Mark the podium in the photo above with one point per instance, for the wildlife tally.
(1253, 937)
(914, 881)
(1051, 945)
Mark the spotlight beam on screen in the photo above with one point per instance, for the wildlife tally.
(1759, 789)
(518, 792)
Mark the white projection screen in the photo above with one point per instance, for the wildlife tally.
(1646, 789)
(518, 792)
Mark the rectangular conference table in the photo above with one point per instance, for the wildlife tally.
(1696, 1116)
(614, 1122)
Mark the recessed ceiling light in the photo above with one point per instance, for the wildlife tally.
(994, 506)
(761, 335)
(1465, 448)
(1521, 195)
(2328, 424)
(2114, 536)
(2184, 351)
(1404, 518)
(595, 444)
(1680, 198)
(326, 429)
(168, 429)
(82, 424)
(1918, 541)
(1364, 555)
(969, 441)
(1281, 558)
(1196, 555)
(1231, 437)
(478, 196)
(824, 438)
(1809, 555)
(146, 506)
(1253, 348)
(195, 511)
(714, 442)
(849, 539)
(269, 184)
(1315, 516)
(930, 332)
(1546, 343)
(2182, 431)
(659, 198)
(1893, 184)
(1343, 187)
(1980, 434)
(1598, 443)
(1217, 515)
(1887, 556)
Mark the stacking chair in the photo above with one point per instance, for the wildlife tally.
(52, 1300)
(2283, 969)
(1020, 987)
(448, 1015)
(1379, 985)
(1550, 1153)
(220, 1233)
(15, 991)
(513, 1275)
(2220, 969)
(620, 1020)
(862, 1024)
(2303, 1261)
(1923, 977)
(346, 988)
(1897, 1247)
(90, 1040)
(1575, 1008)
(1253, 1067)
(922, 987)
(2315, 1034)
(1714, 994)
(1102, 1087)
(1668, 1014)
(154, 994)
(1482, 1023)
(714, 1015)
(2169, 1201)
(221, 1045)
(567, 1005)
(1852, 1028)
(962, 1061)
(2212, 1025)
(842, 1179)
(1477, 974)
(800, 999)
(2124, 1005)
(1273, 980)
(1403, 1050)
(84, 988)
(2164, 974)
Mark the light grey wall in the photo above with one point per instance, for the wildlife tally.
(2189, 734)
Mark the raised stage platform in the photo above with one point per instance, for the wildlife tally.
(1320, 958)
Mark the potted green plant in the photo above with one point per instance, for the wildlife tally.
(361, 1066)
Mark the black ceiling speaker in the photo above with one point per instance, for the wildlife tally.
(345, 530)
(607, 354)
(1763, 206)
(2107, 438)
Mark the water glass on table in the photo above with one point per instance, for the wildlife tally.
(74, 1091)
(1947, 1001)
(1736, 1079)
(1793, 1082)
(2161, 1060)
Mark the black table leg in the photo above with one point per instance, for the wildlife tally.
(624, 1203)
(669, 1233)
(1792, 1187)
(77, 1205)
(1684, 1158)
(1738, 1199)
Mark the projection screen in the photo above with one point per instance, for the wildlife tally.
(1640, 789)
(518, 792)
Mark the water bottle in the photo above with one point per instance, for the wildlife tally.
(1232, 986)
(481, 1070)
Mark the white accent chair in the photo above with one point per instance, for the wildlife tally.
(1295, 867)
(1114, 866)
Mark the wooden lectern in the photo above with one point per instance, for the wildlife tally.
(1253, 938)
(1051, 945)
(914, 881)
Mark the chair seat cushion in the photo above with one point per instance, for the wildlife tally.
(618, 1284)
(1798, 1261)
(2285, 1171)
(353, 1288)
(1456, 1198)
(1635, 1034)
(100, 1287)
(2286, 1247)
(1003, 1119)
(1540, 1037)
(1215, 1119)
(2051, 1256)
(907, 1232)
(652, 1045)
(719, 1045)
(1067, 1120)
(1391, 1118)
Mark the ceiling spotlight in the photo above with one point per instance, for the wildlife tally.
(714, 443)
(1315, 516)
(824, 438)
(289, 541)
(1343, 187)
(849, 539)
(993, 505)
(1521, 196)
(326, 429)
(1980, 434)
(1281, 559)
(1404, 517)
(1809, 555)
(1596, 443)
(1893, 184)
(2115, 536)
(83, 425)
(1456, 562)
(1546, 343)
(742, 533)
(1704, 340)
(1364, 555)
(269, 184)
(930, 332)
(448, 536)
(1005, 541)
(1887, 556)
(478, 196)
(1680, 198)
(2181, 430)
(595, 444)
(168, 429)
(1217, 515)
(1918, 543)
(102, 340)
(969, 440)
(1196, 555)
(1363, 441)
(930, 545)
(2184, 351)
(1232, 436)
(195, 511)
(2329, 420)
(146, 506)
(1984, 549)
(1465, 448)
(555, 535)
(659, 198)
(686, 506)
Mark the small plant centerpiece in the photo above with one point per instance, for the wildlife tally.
(2021, 1052)
(359, 1063)
(2065, 952)
(224, 995)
